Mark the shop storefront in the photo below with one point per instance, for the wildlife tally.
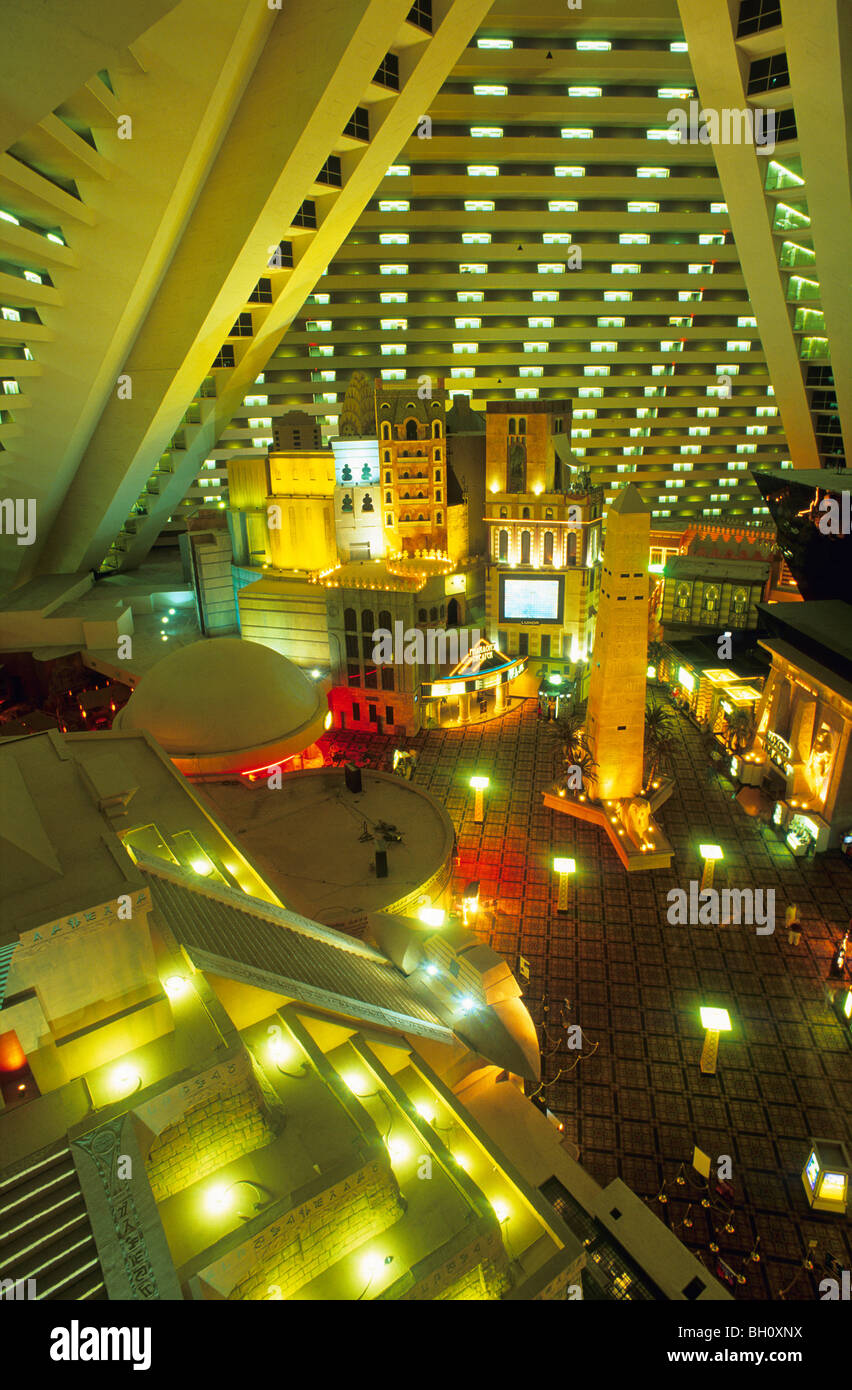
(476, 689)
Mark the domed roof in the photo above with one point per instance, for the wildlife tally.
(224, 703)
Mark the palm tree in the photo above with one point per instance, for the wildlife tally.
(740, 730)
(661, 756)
(575, 749)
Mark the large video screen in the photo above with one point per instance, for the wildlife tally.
(531, 600)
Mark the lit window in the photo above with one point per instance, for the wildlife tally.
(634, 239)
(476, 238)
(33, 278)
(618, 296)
(469, 296)
(671, 133)
(588, 392)
(398, 170)
(11, 387)
(539, 323)
(550, 268)
(675, 93)
(486, 132)
(545, 296)
(747, 321)
(596, 371)
(468, 323)
(679, 47)
(737, 345)
(483, 171)
(494, 43)
(394, 205)
(626, 268)
(478, 205)
(483, 89)
(569, 171)
(535, 347)
(260, 423)
(562, 205)
(718, 207)
(593, 45)
(393, 374)
(393, 349)
(637, 206)
(577, 132)
(393, 269)
(530, 394)
(473, 268)
(610, 323)
(700, 269)
(706, 412)
(12, 314)
(394, 297)
(461, 371)
(465, 347)
(9, 217)
(585, 91)
(530, 371)
(648, 171)
(262, 400)
(391, 325)
(394, 238)
(604, 347)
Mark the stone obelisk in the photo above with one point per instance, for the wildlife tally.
(615, 715)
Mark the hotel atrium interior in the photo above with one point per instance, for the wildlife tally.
(364, 363)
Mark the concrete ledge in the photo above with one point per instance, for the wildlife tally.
(630, 854)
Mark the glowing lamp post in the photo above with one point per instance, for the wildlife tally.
(479, 785)
(716, 1021)
(710, 854)
(563, 867)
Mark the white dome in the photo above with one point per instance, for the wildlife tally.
(225, 704)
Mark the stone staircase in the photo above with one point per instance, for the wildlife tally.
(45, 1233)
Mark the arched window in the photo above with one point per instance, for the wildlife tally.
(389, 498)
(711, 599)
(437, 455)
(683, 595)
(436, 429)
(548, 548)
(387, 460)
(385, 620)
(512, 425)
(386, 434)
(503, 513)
(525, 547)
(503, 545)
(525, 514)
(571, 548)
(522, 426)
(433, 613)
(411, 429)
(548, 513)
(350, 620)
(740, 601)
(367, 624)
(421, 615)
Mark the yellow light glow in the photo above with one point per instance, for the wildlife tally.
(124, 1079)
(847, 1005)
(463, 1161)
(432, 916)
(710, 851)
(717, 1020)
(372, 1266)
(501, 1211)
(564, 866)
(426, 1112)
(201, 866)
(279, 1050)
(176, 985)
(356, 1083)
(398, 1150)
(480, 783)
(218, 1198)
(326, 723)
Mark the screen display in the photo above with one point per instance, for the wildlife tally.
(531, 600)
(812, 1169)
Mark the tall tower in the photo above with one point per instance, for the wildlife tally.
(615, 719)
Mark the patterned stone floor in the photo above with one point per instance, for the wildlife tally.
(636, 1102)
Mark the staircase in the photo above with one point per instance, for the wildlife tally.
(44, 1229)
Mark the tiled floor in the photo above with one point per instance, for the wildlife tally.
(636, 1103)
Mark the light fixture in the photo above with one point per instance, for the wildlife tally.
(124, 1080)
(398, 1150)
(715, 1021)
(710, 854)
(175, 986)
(501, 1211)
(425, 1111)
(432, 916)
(563, 867)
(202, 866)
(218, 1199)
(479, 784)
(356, 1083)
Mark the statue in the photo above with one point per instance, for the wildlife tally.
(517, 480)
(346, 504)
(367, 503)
(636, 817)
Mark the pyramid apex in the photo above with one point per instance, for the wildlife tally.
(628, 500)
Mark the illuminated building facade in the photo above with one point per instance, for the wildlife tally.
(544, 524)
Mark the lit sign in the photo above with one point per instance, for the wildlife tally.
(833, 1186)
(778, 749)
(812, 1169)
(531, 600)
(686, 678)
